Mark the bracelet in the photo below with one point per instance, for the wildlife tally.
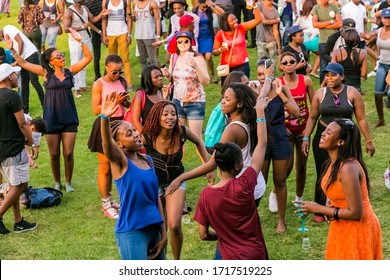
(368, 141)
(258, 120)
(104, 117)
(82, 27)
(158, 36)
(285, 102)
(128, 35)
(305, 139)
(81, 43)
(268, 79)
(336, 214)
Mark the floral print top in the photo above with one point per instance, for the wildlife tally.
(31, 18)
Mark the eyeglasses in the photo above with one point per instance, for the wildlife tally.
(59, 56)
(183, 41)
(336, 100)
(117, 72)
(291, 62)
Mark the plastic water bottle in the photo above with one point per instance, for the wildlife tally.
(305, 243)
(186, 219)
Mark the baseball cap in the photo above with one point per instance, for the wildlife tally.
(184, 34)
(334, 67)
(6, 70)
(349, 23)
(293, 29)
(178, 1)
(386, 13)
(186, 20)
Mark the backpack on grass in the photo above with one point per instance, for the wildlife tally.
(43, 198)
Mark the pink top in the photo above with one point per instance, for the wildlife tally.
(188, 87)
(239, 53)
(116, 86)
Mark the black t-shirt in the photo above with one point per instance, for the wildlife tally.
(298, 55)
(11, 137)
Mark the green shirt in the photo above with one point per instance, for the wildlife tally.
(325, 14)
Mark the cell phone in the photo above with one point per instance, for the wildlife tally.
(267, 63)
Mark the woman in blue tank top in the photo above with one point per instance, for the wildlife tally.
(140, 230)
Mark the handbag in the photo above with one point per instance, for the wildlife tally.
(224, 69)
(129, 112)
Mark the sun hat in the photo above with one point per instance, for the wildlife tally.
(184, 34)
(6, 70)
(178, 1)
(334, 67)
(186, 20)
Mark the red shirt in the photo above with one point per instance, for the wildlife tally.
(231, 211)
(300, 96)
(239, 53)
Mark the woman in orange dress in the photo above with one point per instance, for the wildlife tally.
(354, 232)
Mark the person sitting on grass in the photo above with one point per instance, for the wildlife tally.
(140, 229)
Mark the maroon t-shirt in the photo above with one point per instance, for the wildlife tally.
(231, 211)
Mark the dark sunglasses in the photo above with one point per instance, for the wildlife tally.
(291, 62)
(348, 122)
(336, 100)
(183, 41)
(115, 72)
(59, 56)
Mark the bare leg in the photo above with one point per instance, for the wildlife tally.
(104, 176)
(53, 144)
(379, 109)
(316, 65)
(68, 142)
(174, 207)
(279, 176)
(12, 199)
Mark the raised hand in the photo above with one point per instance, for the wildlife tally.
(75, 35)
(112, 102)
(8, 41)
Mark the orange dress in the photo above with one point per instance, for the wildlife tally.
(352, 240)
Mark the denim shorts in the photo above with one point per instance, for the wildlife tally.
(135, 245)
(190, 110)
(380, 78)
(161, 190)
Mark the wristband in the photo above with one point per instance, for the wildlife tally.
(268, 79)
(255, 6)
(158, 36)
(82, 27)
(305, 139)
(104, 117)
(81, 43)
(258, 120)
(336, 214)
(128, 35)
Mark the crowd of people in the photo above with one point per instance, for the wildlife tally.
(140, 144)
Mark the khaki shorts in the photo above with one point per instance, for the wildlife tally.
(16, 169)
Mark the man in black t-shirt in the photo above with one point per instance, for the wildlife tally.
(14, 134)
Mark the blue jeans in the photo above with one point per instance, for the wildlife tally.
(51, 34)
(190, 110)
(323, 62)
(287, 22)
(135, 245)
(380, 78)
(217, 255)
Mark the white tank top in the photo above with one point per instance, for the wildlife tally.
(247, 158)
(116, 24)
(145, 26)
(77, 22)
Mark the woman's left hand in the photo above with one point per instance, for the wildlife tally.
(157, 249)
(306, 207)
(111, 103)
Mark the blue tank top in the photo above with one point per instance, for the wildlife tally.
(138, 194)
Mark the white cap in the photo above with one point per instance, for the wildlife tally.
(6, 70)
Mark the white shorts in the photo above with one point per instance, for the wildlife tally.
(16, 169)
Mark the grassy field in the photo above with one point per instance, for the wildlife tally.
(78, 230)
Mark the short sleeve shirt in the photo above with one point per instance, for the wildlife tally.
(325, 14)
(264, 32)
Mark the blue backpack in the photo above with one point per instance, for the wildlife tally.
(42, 198)
(214, 129)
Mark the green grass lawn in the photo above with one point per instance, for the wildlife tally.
(77, 229)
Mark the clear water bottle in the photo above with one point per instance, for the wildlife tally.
(186, 219)
(305, 243)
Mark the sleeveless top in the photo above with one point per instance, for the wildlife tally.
(351, 71)
(187, 86)
(49, 10)
(147, 107)
(116, 24)
(108, 88)
(300, 96)
(59, 108)
(167, 167)
(76, 22)
(138, 194)
(330, 111)
(145, 27)
(275, 111)
(247, 158)
(384, 47)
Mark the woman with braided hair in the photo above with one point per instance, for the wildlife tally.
(164, 139)
(140, 230)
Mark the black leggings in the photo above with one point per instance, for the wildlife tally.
(320, 157)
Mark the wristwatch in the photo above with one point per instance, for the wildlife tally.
(331, 21)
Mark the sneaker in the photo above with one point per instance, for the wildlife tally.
(110, 212)
(318, 219)
(69, 188)
(371, 74)
(77, 94)
(24, 226)
(3, 229)
(273, 203)
(115, 205)
(57, 186)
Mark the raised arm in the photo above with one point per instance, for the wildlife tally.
(111, 150)
(248, 25)
(75, 68)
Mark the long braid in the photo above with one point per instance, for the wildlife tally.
(114, 127)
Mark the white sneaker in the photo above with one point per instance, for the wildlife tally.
(371, 74)
(57, 186)
(273, 203)
(69, 188)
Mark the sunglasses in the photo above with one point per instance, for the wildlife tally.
(336, 100)
(117, 72)
(291, 62)
(183, 41)
(348, 122)
(59, 56)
